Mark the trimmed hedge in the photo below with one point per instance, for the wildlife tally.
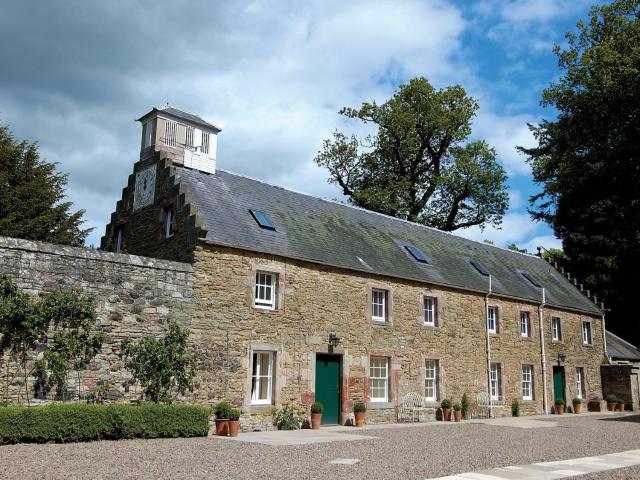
(61, 423)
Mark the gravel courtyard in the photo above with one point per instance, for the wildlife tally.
(418, 452)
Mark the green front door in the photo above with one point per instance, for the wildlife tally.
(328, 387)
(558, 383)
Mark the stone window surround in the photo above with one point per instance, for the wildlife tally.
(534, 375)
(279, 294)
(275, 395)
(163, 209)
(585, 383)
(533, 317)
(590, 322)
(440, 309)
(391, 387)
(499, 326)
(389, 304)
(440, 377)
(501, 381)
(561, 339)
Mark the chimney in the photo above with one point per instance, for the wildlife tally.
(187, 139)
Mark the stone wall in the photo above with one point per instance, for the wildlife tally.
(143, 228)
(134, 296)
(316, 300)
(619, 380)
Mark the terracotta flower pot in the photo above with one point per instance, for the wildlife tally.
(234, 426)
(576, 408)
(611, 407)
(446, 414)
(222, 427)
(457, 415)
(621, 407)
(559, 408)
(359, 418)
(316, 418)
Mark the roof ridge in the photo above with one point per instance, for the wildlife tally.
(328, 200)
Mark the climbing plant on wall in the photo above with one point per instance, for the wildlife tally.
(45, 337)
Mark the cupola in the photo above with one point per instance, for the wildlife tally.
(188, 139)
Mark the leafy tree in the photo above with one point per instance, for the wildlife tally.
(31, 196)
(163, 366)
(515, 248)
(417, 166)
(587, 161)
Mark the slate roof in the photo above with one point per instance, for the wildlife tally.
(327, 232)
(179, 114)
(621, 349)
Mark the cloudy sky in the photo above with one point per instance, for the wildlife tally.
(272, 74)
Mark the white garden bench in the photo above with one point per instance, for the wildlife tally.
(483, 400)
(410, 406)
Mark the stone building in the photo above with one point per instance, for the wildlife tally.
(297, 298)
(621, 376)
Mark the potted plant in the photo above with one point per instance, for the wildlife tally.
(316, 415)
(234, 422)
(620, 404)
(446, 409)
(559, 406)
(611, 402)
(577, 404)
(222, 412)
(457, 412)
(515, 408)
(359, 409)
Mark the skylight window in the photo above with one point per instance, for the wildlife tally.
(263, 219)
(416, 253)
(479, 267)
(531, 279)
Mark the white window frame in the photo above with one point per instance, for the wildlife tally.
(525, 321)
(430, 310)
(381, 303)
(188, 136)
(579, 382)
(117, 244)
(492, 316)
(527, 382)
(148, 130)
(167, 222)
(585, 340)
(204, 146)
(431, 380)
(257, 362)
(495, 381)
(383, 369)
(265, 282)
(171, 133)
(556, 329)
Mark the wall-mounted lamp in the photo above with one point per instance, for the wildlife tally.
(561, 357)
(334, 339)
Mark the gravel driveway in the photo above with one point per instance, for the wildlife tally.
(420, 452)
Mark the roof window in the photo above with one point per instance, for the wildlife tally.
(416, 253)
(531, 279)
(479, 267)
(263, 219)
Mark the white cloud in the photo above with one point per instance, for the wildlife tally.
(515, 228)
(546, 241)
(504, 133)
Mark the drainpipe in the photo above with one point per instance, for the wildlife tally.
(604, 336)
(486, 326)
(545, 404)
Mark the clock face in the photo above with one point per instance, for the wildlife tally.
(145, 187)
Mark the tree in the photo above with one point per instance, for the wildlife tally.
(31, 194)
(417, 166)
(163, 366)
(587, 160)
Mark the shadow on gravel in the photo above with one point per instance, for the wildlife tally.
(625, 418)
